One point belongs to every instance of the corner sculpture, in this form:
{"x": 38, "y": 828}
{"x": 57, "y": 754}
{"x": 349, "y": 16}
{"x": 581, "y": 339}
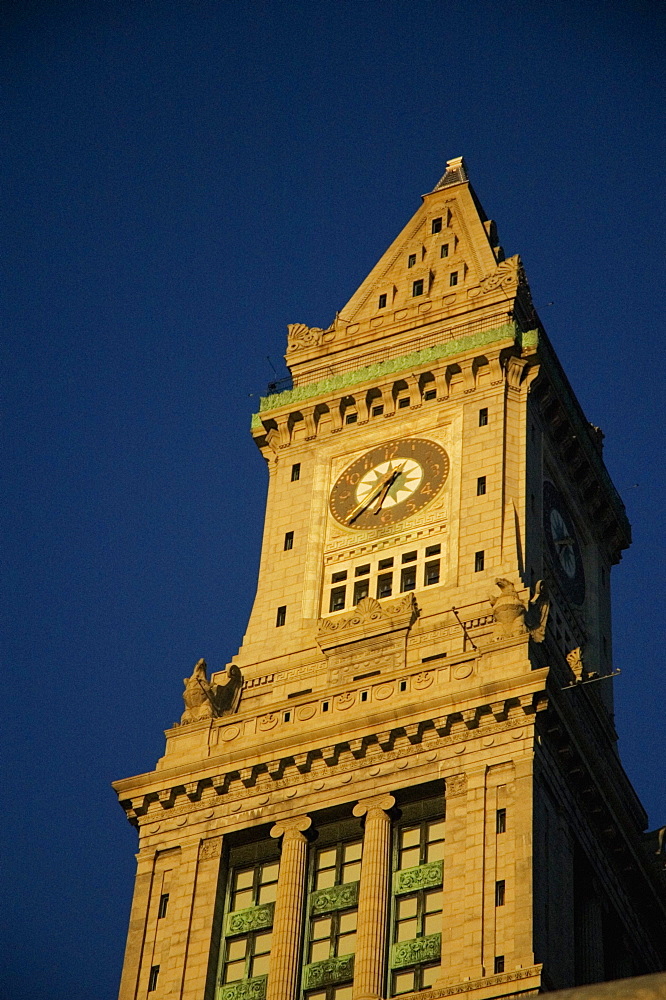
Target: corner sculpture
{"x": 204, "y": 700}
{"x": 513, "y": 617}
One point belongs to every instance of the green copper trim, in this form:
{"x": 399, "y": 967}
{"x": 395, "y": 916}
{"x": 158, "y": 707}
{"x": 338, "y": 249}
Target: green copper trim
{"x": 338, "y": 897}
{"x": 246, "y": 989}
{"x": 332, "y": 970}
{"x": 427, "y": 876}
{"x": 345, "y": 380}
{"x": 254, "y": 918}
{"x": 417, "y": 950}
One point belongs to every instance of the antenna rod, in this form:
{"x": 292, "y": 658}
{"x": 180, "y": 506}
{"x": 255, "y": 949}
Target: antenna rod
{"x": 466, "y": 633}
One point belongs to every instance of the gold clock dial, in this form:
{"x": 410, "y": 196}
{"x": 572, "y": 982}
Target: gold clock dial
{"x": 389, "y": 483}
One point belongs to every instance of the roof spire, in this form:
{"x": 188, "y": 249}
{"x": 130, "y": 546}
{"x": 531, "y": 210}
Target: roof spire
{"x": 456, "y": 173}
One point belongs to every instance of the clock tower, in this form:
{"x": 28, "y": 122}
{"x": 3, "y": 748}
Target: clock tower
{"x": 406, "y": 782}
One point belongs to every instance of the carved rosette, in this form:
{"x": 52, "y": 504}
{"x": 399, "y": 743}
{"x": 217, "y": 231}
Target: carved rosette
{"x": 338, "y": 897}
{"x": 428, "y": 876}
{"x": 332, "y": 970}
{"x": 423, "y": 949}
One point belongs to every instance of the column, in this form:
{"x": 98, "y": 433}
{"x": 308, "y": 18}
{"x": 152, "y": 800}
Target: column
{"x": 288, "y": 917}
{"x": 373, "y": 897}
{"x": 137, "y": 925}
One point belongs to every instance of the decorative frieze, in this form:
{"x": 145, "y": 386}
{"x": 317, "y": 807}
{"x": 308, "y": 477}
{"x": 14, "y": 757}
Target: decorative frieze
{"x": 424, "y": 949}
{"x": 253, "y": 918}
{"x": 332, "y": 970}
{"x": 337, "y": 897}
{"x": 428, "y": 876}
{"x": 247, "y": 989}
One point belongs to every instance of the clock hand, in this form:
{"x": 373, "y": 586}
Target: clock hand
{"x": 371, "y": 497}
{"x": 384, "y": 494}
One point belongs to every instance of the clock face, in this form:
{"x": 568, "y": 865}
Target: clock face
{"x": 388, "y": 483}
{"x": 563, "y": 544}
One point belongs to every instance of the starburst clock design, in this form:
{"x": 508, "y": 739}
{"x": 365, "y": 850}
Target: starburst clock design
{"x": 389, "y": 483}
{"x": 563, "y": 545}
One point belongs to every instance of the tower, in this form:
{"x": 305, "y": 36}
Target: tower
{"x": 406, "y": 781}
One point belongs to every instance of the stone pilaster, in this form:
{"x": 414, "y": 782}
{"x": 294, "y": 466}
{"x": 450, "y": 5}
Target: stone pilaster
{"x": 288, "y": 919}
{"x": 137, "y": 925}
{"x": 373, "y": 897}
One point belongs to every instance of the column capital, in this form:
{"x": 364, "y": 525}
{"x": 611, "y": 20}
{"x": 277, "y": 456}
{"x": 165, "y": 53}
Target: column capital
{"x": 376, "y": 803}
{"x": 291, "y": 829}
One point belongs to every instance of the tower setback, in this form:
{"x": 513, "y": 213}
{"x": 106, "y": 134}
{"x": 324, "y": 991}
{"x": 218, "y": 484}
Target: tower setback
{"x": 406, "y": 782}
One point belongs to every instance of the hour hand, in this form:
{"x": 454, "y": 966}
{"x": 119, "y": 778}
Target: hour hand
{"x": 371, "y": 497}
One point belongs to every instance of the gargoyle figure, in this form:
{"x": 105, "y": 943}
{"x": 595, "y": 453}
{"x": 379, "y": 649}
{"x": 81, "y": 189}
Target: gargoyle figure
{"x": 204, "y": 700}
{"x": 513, "y": 617}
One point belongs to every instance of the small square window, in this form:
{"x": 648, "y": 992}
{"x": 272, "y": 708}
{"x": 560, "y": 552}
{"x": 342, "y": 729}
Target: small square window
{"x": 362, "y": 570}
{"x": 296, "y": 472}
{"x": 433, "y": 550}
{"x": 481, "y": 486}
{"x": 377, "y": 410}
{"x": 403, "y": 402}
{"x": 500, "y": 893}
{"x": 337, "y": 601}
{"x": 500, "y": 821}
{"x": 453, "y": 278}
{"x": 382, "y": 301}
{"x": 351, "y": 418}
{"x": 499, "y": 964}
{"x": 288, "y": 541}
{"x": 431, "y": 575}
{"x": 436, "y": 225}
{"x": 479, "y": 561}
{"x": 411, "y": 260}
{"x": 361, "y": 590}
{"x": 417, "y": 288}
{"x": 444, "y": 250}
{"x": 408, "y": 579}
{"x": 430, "y": 394}
{"x": 384, "y": 585}
{"x": 281, "y": 616}
{"x": 364, "y": 695}
{"x": 409, "y": 556}
{"x": 483, "y": 417}
{"x": 339, "y": 576}
{"x": 153, "y": 977}
{"x": 385, "y": 563}
{"x": 286, "y": 717}
{"x": 403, "y": 685}
{"x": 325, "y": 706}
{"x": 164, "y": 905}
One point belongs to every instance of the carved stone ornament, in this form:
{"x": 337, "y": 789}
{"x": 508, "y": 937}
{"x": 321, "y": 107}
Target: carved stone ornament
{"x": 248, "y": 989}
{"x": 210, "y": 849}
{"x": 428, "y": 876}
{"x": 204, "y": 700}
{"x": 369, "y": 617}
{"x": 506, "y": 276}
{"x": 423, "y": 949}
{"x": 456, "y": 784}
{"x": 578, "y": 668}
{"x": 513, "y": 617}
{"x": 253, "y": 918}
{"x": 338, "y": 897}
{"x": 300, "y": 336}
{"x": 332, "y": 970}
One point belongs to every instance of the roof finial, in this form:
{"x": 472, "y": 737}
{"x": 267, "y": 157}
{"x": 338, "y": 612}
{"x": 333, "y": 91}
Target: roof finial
{"x": 456, "y": 173}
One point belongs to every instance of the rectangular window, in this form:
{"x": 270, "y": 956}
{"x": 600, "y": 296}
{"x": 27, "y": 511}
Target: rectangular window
{"x": 164, "y": 906}
{"x": 252, "y": 883}
{"x": 361, "y": 590}
{"x": 296, "y": 472}
{"x": 362, "y": 570}
{"x": 403, "y": 402}
{"x": 417, "y": 288}
{"x": 408, "y": 579}
{"x": 433, "y": 550}
{"x": 382, "y": 301}
{"x": 453, "y": 278}
{"x": 281, "y": 616}
{"x": 377, "y": 410}
{"x": 339, "y": 576}
{"x": 153, "y": 977}
{"x": 411, "y": 260}
{"x": 385, "y": 563}
{"x": 288, "y": 540}
{"x": 436, "y": 225}
{"x": 483, "y": 416}
{"x": 500, "y": 892}
{"x": 499, "y": 964}
{"x": 500, "y": 821}
{"x": 337, "y": 601}
{"x": 351, "y": 418}
{"x": 364, "y": 695}
{"x": 384, "y": 585}
{"x": 479, "y": 561}
{"x": 481, "y": 486}
{"x": 408, "y": 557}
{"x": 444, "y": 250}
{"x": 430, "y": 394}
{"x": 431, "y": 575}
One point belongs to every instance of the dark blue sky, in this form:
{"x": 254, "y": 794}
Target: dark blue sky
{"x": 181, "y": 181}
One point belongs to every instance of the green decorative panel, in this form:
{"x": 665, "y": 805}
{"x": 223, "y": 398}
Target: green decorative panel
{"x": 338, "y": 897}
{"x": 333, "y": 970}
{"x": 423, "y": 949}
{"x": 254, "y": 918}
{"x": 422, "y": 877}
{"x": 247, "y": 989}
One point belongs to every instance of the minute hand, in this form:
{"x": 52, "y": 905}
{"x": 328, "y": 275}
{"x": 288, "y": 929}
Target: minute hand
{"x": 385, "y": 491}
{"x": 385, "y": 484}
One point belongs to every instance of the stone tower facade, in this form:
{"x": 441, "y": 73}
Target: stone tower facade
{"x": 406, "y": 781}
